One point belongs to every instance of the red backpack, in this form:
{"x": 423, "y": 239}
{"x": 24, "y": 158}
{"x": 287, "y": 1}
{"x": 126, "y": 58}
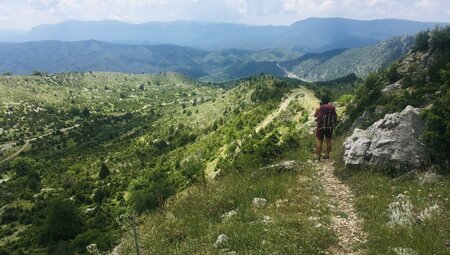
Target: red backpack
{"x": 326, "y": 119}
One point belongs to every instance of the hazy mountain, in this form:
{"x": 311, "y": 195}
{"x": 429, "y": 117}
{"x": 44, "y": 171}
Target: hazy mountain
{"x": 84, "y": 56}
{"x": 313, "y": 33}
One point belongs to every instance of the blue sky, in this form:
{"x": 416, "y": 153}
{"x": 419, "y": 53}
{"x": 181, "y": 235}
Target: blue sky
{"x": 24, "y": 14}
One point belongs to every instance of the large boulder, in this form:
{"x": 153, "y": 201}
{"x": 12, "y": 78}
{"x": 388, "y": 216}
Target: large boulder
{"x": 392, "y": 141}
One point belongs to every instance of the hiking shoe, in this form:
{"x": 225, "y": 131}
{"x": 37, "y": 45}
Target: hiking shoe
{"x": 326, "y": 157}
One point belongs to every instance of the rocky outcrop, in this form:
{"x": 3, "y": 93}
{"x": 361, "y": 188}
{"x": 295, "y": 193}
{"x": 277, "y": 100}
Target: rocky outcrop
{"x": 392, "y": 141}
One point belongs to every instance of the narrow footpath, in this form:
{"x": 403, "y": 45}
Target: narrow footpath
{"x": 345, "y": 222}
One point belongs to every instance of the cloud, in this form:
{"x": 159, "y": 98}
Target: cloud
{"x": 27, "y": 13}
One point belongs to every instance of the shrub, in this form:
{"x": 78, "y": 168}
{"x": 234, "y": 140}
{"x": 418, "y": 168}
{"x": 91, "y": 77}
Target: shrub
{"x": 24, "y": 166}
{"x": 421, "y": 41}
{"x": 104, "y": 171}
{"x": 437, "y": 129}
{"x": 63, "y": 221}
{"x": 149, "y": 193}
{"x": 192, "y": 168}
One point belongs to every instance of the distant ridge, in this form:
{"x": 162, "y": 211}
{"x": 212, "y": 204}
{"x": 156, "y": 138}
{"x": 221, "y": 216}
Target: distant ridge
{"x": 218, "y": 66}
{"x": 314, "y": 33}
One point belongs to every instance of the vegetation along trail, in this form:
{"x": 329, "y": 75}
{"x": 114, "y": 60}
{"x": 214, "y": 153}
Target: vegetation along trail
{"x": 308, "y": 102}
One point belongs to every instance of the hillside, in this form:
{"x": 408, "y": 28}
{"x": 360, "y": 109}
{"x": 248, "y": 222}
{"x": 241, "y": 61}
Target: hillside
{"x": 280, "y": 201}
{"x": 95, "y": 143}
{"x": 312, "y": 33}
{"x": 105, "y": 162}
{"x": 215, "y": 66}
{"x": 340, "y": 62}
{"x": 84, "y": 56}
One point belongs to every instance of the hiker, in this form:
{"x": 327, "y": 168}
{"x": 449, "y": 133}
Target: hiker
{"x": 326, "y": 119}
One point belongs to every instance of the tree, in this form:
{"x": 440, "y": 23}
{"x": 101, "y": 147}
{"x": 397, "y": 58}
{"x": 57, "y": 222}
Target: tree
{"x": 104, "y": 171}
{"x": 63, "y": 221}
{"x": 85, "y": 113}
{"x": 192, "y": 168}
{"x": 24, "y": 166}
{"x": 151, "y": 192}
{"x": 421, "y": 41}
{"x": 437, "y": 129}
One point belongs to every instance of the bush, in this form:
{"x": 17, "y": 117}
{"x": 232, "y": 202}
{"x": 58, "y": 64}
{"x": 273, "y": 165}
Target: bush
{"x": 192, "y": 168}
{"x": 150, "y": 193}
{"x": 63, "y": 221}
{"x": 24, "y": 166}
{"x": 440, "y": 39}
{"x": 437, "y": 130}
{"x": 104, "y": 171}
{"x": 103, "y": 240}
{"x": 421, "y": 41}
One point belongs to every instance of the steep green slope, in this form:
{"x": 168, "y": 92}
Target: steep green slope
{"x": 102, "y": 144}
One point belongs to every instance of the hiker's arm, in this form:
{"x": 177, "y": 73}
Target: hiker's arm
{"x": 317, "y": 112}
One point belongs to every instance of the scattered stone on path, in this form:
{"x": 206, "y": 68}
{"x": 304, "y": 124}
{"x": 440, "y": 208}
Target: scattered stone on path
{"x": 226, "y": 216}
{"x": 281, "y": 202}
{"x": 401, "y": 211}
{"x": 221, "y": 241}
{"x": 404, "y": 251}
{"x": 267, "y": 219}
{"x": 258, "y": 202}
{"x": 429, "y": 177}
{"x": 282, "y": 166}
{"x": 429, "y": 213}
{"x": 349, "y": 229}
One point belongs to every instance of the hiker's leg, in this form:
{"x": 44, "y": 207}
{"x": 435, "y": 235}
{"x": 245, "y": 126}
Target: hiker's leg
{"x": 319, "y": 148}
{"x": 328, "y": 147}
{"x": 319, "y": 142}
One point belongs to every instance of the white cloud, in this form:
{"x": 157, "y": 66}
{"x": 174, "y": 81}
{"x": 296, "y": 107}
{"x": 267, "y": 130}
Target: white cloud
{"x": 28, "y": 13}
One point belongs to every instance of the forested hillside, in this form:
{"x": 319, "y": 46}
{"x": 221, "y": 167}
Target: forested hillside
{"x": 95, "y": 146}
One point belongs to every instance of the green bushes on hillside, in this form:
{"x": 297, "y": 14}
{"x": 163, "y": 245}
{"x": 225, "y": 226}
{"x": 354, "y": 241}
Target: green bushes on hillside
{"x": 148, "y": 193}
{"x": 437, "y": 125}
{"x": 63, "y": 221}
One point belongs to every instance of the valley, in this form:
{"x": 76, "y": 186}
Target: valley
{"x": 177, "y": 150}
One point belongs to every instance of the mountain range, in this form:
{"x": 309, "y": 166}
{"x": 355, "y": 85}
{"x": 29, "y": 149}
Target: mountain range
{"x": 217, "y": 66}
{"x": 312, "y": 34}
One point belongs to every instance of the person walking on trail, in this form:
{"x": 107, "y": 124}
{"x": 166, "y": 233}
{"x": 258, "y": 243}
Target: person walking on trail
{"x": 326, "y": 119}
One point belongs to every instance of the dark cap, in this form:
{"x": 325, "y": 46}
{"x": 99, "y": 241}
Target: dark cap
{"x": 325, "y": 99}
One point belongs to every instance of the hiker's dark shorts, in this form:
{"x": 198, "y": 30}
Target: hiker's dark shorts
{"x": 324, "y": 132}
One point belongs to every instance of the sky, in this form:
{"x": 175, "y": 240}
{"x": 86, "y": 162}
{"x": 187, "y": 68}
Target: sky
{"x": 25, "y": 14}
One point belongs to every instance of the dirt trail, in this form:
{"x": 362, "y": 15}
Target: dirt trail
{"x": 345, "y": 222}
{"x": 308, "y": 100}
{"x": 27, "y": 142}
{"x": 15, "y": 154}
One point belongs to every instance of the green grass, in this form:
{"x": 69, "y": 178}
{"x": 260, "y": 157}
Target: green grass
{"x": 192, "y": 224}
{"x": 375, "y": 190}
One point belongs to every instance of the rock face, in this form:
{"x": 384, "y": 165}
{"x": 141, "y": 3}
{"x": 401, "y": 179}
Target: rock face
{"x": 392, "y": 141}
